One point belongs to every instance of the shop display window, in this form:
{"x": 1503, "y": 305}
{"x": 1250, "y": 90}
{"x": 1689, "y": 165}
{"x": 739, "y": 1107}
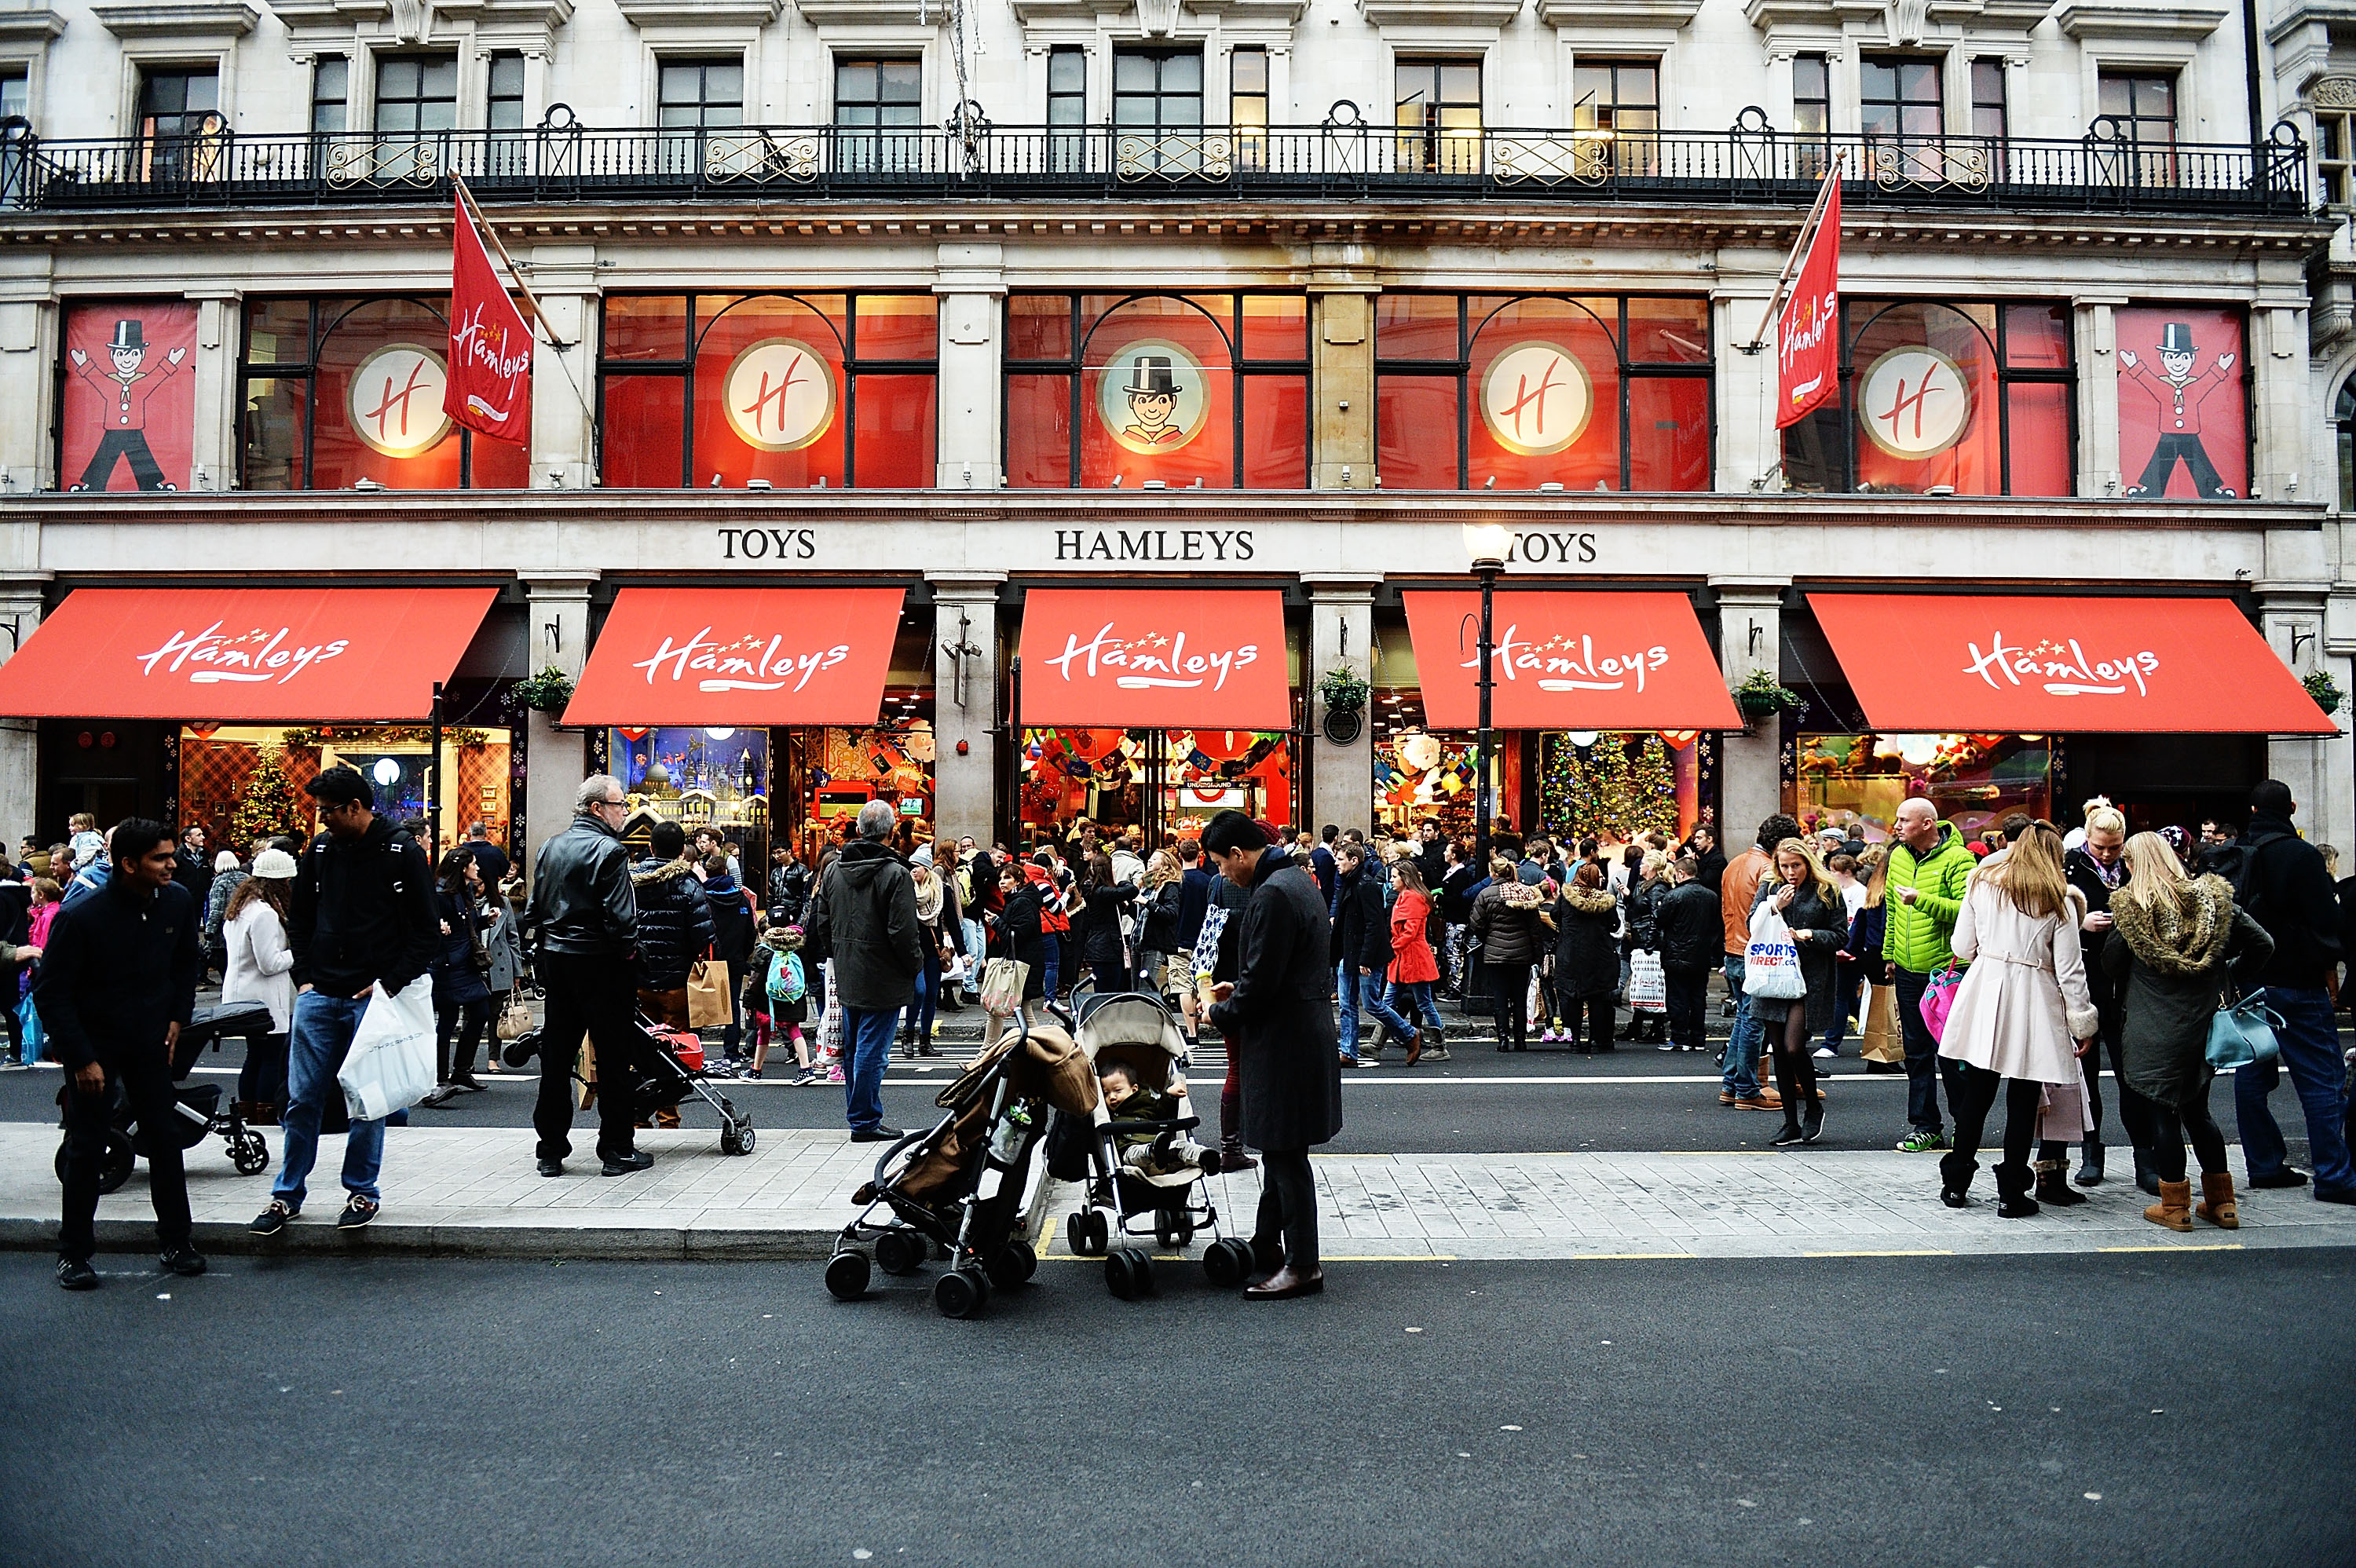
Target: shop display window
{"x": 126, "y": 400}
{"x": 1170, "y": 783}
{"x": 794, "y": 392}
{"x": 338, "y": 392}
{"x": 244, "y": 782}
{"x": 1977, "y": 398}
{"x": 1605, "y": 392}
{"x": 1974, "y": 780}
{"x": 1196, "y": 391}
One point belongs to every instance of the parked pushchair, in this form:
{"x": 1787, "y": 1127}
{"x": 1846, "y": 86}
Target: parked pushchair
{"x": 955, "y": 1189}
{"x": 202, "y": 1112}
{"x": 1146, "y": 1171}
{"x": 670, "y": 1069}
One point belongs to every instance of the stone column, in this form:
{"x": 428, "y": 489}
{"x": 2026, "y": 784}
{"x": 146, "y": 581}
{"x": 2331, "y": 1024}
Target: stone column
{"x": 1748, "y": 445}
{"x": 28, "y": 352}
{"x": 2278, "y": 345}
{"x": 1342, "y": 332}
{"x": 557, "y": 633}
{"x": 565, "y": 281}
{"x": 1341, "y": 636}
{"x": 2317, "y": 767}
{"x": 971, "y": 287}
{"x": 964, "y": 709}
{"x": 1750, "y": 637}
{"x": 212, "y": 452}
{"x": 20, "y": 772}
{"x": 2098, "y": 396}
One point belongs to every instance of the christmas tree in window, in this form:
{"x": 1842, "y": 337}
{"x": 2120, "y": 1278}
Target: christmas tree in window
{"x": 269, "y": 807}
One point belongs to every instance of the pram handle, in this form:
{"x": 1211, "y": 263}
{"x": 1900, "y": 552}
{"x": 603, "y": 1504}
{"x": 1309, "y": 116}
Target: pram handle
{"x": 1183, "y": 1124}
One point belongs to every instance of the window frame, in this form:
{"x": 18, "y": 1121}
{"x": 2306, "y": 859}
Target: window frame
{"x": 423, "y": 59}
{"x": 1999, "y": 107}
{"x": 341, "y": 102}
{"x": 2335, "y": 155}
{"x": 1629, "y": 370}
{"x": 1251, "y": 136}
{"x": 1430, "y": 137}
{"x": 493, "y": 97}
{"x": 1161, "y": 56}
{"x": 703, "y": 104}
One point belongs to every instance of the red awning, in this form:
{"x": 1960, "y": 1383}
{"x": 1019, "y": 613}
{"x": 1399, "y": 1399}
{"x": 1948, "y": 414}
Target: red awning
{"x": 740, "y": 656}
{"x": 1568, "y": 661}
{"x": 1161, "y": 658}
{"x": 270, "y": 654}
{"x": 1938, "y": 662}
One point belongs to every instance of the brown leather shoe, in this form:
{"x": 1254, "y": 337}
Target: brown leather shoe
{"x": 1757, "y": 1103}
{"x": 1284, "y": 1284}
{"x": 1414, "y": 1047}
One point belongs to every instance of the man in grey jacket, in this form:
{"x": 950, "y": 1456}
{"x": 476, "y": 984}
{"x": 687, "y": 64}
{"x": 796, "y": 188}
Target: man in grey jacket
{"x": 587, "y": 916}
{"x": 864, "y": 912}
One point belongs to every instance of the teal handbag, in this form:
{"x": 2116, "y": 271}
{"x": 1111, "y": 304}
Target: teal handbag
{"x": 2242, "y": 1034}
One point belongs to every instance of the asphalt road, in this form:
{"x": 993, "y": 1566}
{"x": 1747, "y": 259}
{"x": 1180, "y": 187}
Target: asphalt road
{"x": 2017, "y": 1411}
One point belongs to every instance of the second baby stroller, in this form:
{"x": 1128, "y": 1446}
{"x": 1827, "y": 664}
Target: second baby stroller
{"x": 202, "y": 1112}
{"x": 1144, "y": 1163}
{"x": 669, "y": 1071}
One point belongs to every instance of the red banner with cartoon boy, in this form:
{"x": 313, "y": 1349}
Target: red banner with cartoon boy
{"x": 2184, "y": 419}
{"x": 130, "y": 396}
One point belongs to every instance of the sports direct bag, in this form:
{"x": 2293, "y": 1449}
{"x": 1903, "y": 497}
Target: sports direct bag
{"x": 1648, "y": 984}
{"x": 1939, "y": 1000}
{"x": 1770, "y": 964}
{"x": 391, "y": 1064}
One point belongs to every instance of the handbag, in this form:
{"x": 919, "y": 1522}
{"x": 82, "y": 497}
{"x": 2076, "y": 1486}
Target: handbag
{"x": 29, "y": 1018}
{"x": 515, "y": 1023}
{"x": 1648, "y": 982}
{"x": 1883, "y": 1040}
{"x": 1939, "y": 1000}
{"x": 2242, "y": 1034}
{"x": 1771, "y": 964}
{"x": 1002, "y": 980}
{"x": 391, "y": 1064}
{"x": 707, "y": 993}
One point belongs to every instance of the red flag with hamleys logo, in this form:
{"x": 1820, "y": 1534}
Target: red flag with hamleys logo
{"x": 1807, "y": 335}
{"x": 490, "y": 385}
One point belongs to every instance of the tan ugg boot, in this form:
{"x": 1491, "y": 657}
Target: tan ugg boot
{"x": 2216, "y": 1204}
{"x": 2174, "y": 1208}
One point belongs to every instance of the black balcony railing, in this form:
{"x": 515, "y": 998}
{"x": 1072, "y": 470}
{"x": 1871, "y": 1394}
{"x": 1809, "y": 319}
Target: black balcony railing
{"x": 1344, "y": 159}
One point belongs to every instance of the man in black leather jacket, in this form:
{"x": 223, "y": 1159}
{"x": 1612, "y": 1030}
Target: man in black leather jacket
{"x": 587, "y": 915}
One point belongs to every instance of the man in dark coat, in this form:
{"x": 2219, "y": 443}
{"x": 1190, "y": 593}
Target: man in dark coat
{"x": 1279, "y": 1012}
{"x": 865, "y": 910}
{"x": 1690, "y": 928}
{"x": 192, "y": 868}
{"x": 585, "y": 912}
{"x": 674, "y": 929}
{"x": 118, "y": 982}
{"x": 2285, "y": 888}
{"x": 1361, "y": 951}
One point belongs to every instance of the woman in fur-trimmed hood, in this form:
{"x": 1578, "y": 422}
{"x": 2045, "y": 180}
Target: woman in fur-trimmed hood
{"x": 1585, "y": 921}
{"x": 2178, "y": 940}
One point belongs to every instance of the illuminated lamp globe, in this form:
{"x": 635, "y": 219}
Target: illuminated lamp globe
{"x": 387, "y": 772}
{"x": 1486, "y": 545}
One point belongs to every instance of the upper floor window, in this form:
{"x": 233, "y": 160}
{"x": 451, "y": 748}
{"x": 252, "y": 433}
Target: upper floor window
{"x": 177, "y": 100}
{"x": 503, "y": 105}
{"x": 2335, "y": 156}
{"x": 876, "y": 103}
{"x": 1980, "y": 398}
{"x": 1067, "y": 107}
{"x": 2144, "y": 104}
{"x": 791, "y": 391}
{"x": 1439, "y": 115}
{"x": 1901, "y": 111}
{"x": 1247, "y": 104}
{"x": 2343, "y": 426}
{"x": 16, "y": 93}
{"x": 700, "y": 93}
{"x": 416, "y": 94}
{"x": 1207, "y": 391}
{"x": 1493, "y": 391}
{"x": 334, "y": 391}
{"x": 1987, "y": 99}
{"x": 1812, "y": 96}
{"x": 1619, "y": 102}
{"x": 1159, "y": 91}
{"x": 331, "y": 95}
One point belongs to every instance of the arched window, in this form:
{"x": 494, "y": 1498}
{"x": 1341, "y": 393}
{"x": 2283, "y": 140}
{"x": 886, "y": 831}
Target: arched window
{"x": 2343, "y": 431}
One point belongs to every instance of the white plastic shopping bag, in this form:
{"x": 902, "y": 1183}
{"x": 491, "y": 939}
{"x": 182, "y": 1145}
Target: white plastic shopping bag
{"x": 391, "y": 1064}
{"x": 1770, "y": 964}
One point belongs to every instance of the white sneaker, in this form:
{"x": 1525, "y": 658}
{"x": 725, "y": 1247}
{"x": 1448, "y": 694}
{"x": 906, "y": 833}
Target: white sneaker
{"x": 1823, "y": 1051}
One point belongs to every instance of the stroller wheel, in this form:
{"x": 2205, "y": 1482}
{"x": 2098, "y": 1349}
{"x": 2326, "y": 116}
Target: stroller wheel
{"x": 1227, "y": 1263}
{"x": 899, "y": 1252}
{"x": 1171, "y": 1228}
{"x": 1128, "y": 1273}
{"x": 1079, "y": 1231}
{"x": 962, "y": 1293}
{"x": 1013, "y": 1265}
{"x": 249, "y": 1153}
{"x": 846, "y": 1276}
{"x": 113, "y": 1168}
{"x": 737, "y": 1136}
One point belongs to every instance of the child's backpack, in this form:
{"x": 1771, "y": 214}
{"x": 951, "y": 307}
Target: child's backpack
{"x": 785, "y": 983}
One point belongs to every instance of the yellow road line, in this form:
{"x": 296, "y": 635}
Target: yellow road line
{"x": 1910, "y": 1253}
{"x": 2182, "y": 1247}
{"x": 1618, "y": 1257}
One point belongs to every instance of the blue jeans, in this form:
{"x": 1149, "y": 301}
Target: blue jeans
{"x": 1357, "y": 991}
{"x": 1407, "y": 997}
{"x": 1846, "y": 982}
{"x": 323, "y": 1027}
{"x": 867, "y": 1041}
{"x": 2311, "y": 1049}
{"x": 1050, "y": 951}
{"x": 926, "y": 1008}
{"x": 1741, "y": 1074}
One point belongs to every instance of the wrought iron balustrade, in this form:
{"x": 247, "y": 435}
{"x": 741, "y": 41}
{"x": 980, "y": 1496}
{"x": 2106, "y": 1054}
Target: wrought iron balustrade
{"x": 1344, "y": 158}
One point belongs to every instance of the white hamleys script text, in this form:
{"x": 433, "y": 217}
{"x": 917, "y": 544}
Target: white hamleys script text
{"x": 1152, "y": 659}
{"x": 1565, "y": 662}
{"x": 745, "y": 665}
{"x": 259, "y": 656}
{"x": 2062, "y": 667}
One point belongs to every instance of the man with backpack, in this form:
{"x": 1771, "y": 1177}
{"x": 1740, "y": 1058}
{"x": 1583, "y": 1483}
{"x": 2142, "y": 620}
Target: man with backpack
{"x": 2280, "y": 882}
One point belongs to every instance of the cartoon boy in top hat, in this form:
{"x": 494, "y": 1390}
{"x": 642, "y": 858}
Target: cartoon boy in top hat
{"x": 2179, "y": 390}
{"x": 126, "y": 389}
{"x": 1153, "y": 403}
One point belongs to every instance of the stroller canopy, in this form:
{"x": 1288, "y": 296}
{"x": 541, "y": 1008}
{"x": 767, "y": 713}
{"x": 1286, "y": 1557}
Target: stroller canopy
{"x": 1132, "y": 1019}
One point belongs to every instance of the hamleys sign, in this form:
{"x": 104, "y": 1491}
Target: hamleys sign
{"x": 2062, "y": 667}
{"x": 740, "y": 656}
{"x": 1169, "y": 657}
{"x": 258, "y": 654}
{"x": 1570, "y": 659}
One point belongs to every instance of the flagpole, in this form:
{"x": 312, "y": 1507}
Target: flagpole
{"x": 1799, "y": 249}
{"x": 539, "y": 317}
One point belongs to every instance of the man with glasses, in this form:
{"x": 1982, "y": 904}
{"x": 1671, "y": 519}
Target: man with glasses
{"x": 587, "y": 915}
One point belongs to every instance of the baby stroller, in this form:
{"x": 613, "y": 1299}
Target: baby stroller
{"x": 201, "y": 1109}
{"x": 955, "y": 1187}
{"x": 1146, "y": 1171}
{"x": 669, "y": 1068}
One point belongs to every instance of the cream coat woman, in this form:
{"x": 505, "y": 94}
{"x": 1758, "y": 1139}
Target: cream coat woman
{"x": 2023, "y": 1005}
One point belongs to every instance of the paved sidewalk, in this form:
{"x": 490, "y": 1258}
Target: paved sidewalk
{"x": 474, "y": 1191}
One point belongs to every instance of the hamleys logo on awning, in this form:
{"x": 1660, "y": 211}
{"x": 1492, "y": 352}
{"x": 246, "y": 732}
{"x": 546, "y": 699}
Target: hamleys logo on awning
{"x": 1565, "y": 662}
{"x": 2060, "y": 668}
{"x": 750, "y": 663}
{"x": 1151, "y": 659}
{"x": 260, "y": 656}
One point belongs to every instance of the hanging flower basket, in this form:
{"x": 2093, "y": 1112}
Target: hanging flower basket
{"x": 1762, "y": 696}
{"x": 546, "y": 692}
{"x": 1342, "y": 690}
{"x": 2324, "y": 690}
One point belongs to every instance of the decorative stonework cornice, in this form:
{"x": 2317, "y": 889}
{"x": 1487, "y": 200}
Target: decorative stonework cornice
{"x": 700, "y": 12}
{"x": 1602, "y": 13}
{"x": 178, "y": 18}
{"x": 2128, "y": 22}
{"x": 21, "y": 24}
{"x": 1439, "y": 12}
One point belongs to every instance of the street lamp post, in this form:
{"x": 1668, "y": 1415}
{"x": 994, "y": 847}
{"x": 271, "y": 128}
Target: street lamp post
{"x": 1486, "y": 543}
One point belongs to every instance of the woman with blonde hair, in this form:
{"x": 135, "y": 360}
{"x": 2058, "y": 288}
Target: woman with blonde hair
{"x": 2022, "y": 1015}
{"x": 2175, "y": 945}
{"x": 1810, "y": 903}
{"x": 1156, "y": 915}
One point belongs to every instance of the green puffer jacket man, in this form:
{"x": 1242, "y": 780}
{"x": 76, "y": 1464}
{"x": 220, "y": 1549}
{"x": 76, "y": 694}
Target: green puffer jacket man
{"x": 1915, "y": 936}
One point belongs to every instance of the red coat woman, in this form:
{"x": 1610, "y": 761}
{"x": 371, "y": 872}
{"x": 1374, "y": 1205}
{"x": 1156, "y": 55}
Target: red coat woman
{"x": 1412, "y": 961}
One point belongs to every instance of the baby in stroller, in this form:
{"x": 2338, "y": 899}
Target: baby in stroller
{"x": 1126, "y": 1098}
